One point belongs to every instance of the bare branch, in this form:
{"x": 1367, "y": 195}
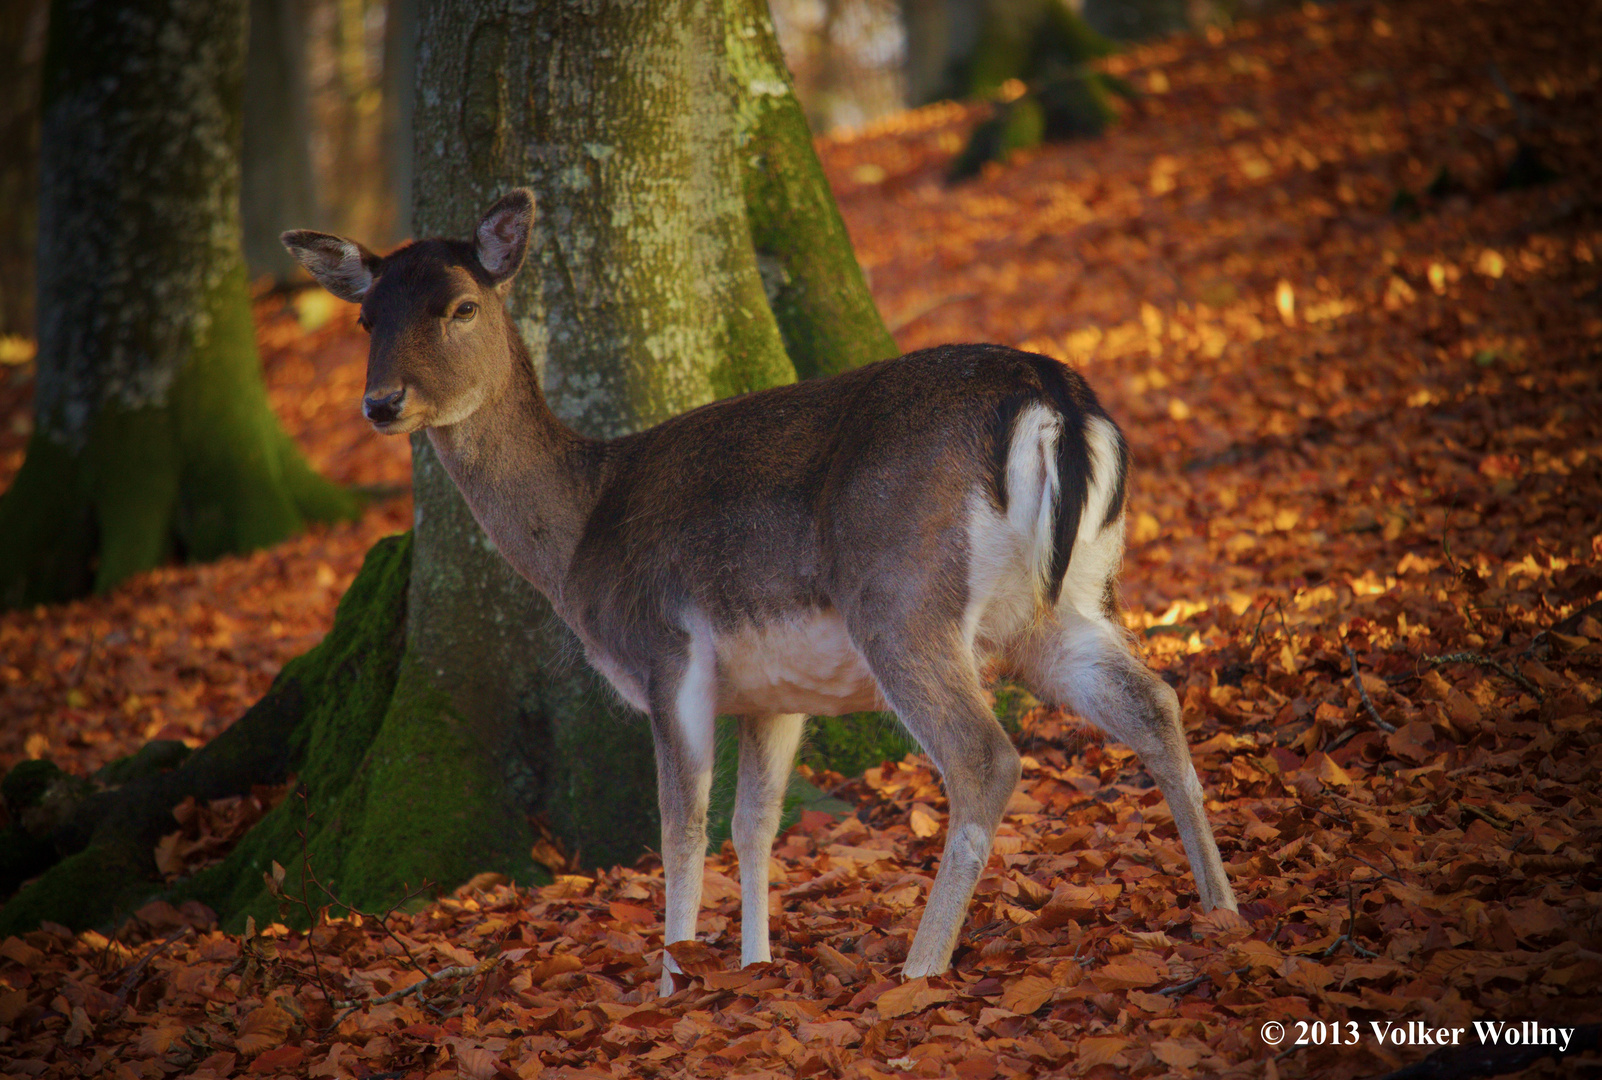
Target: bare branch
{"x": 1361, "y": 689}
{"x": 1480, "y": 660}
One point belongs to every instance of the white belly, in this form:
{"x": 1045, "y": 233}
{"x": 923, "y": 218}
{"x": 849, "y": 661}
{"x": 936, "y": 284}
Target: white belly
{"x": 806, "y": 665}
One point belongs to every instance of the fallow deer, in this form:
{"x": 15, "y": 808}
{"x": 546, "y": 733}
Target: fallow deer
{"x": 865, "y": 541}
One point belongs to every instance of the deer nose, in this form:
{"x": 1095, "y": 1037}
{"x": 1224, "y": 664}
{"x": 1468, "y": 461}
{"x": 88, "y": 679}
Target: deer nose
{"x": 382, "y": 408}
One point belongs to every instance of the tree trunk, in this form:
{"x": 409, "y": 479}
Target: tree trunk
{"x": 399, "y": 103}
{"x": 22, "y": 39}
{"x": 674, "y": 177}
{"x": 153, "y": 436}
{"x": 276, "y": 189}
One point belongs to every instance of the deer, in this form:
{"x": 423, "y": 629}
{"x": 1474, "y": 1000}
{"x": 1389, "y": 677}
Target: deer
{"x": 866, "y": 541}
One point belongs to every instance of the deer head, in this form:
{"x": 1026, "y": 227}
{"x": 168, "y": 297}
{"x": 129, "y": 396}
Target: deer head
{"x": 434, "y": 309}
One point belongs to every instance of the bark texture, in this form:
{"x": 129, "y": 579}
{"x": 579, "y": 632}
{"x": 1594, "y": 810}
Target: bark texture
{"x": 153, "y": 436}
{"x": 641, "y": 298}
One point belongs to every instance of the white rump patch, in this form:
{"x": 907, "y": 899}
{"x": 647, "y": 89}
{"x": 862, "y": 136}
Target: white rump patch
{"x": 1009, "y": 557}
{"x": 1103, "y": 447}
{"x": 1098, "y": 549}
{"x": 1033, "y": 484}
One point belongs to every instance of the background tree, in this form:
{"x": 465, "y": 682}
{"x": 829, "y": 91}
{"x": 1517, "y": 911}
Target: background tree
{"x": 1031, "y": 56}
{"x": 276, "y": 190}
{"x": 153, "y": 435}
{"x": 22, "y": 40}
{"x": 687, "y": 247}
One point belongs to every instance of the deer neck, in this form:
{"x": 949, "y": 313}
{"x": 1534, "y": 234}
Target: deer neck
{"x": 530, "y": 481}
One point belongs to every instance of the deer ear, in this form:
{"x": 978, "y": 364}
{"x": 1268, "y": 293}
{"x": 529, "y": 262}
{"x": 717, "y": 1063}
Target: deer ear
{"x": 341, "y": 266}
{"x": 501, "y": 241}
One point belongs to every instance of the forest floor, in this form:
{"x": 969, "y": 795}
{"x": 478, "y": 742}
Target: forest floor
{"x": 1360, "y": 368}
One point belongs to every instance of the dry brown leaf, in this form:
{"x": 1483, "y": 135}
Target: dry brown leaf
{"x": 912, "y": 996}
{"x": 922, "y": 821}
{"x": 1102, "y": 1050}
{"x": 263, "y": 1028}
{"x": 1027, "y": 994}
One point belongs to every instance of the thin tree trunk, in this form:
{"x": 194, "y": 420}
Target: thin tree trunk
{"x": 400, "y": 99}
{"x": 276, "y": 189}
{"x": 22, "y": 40}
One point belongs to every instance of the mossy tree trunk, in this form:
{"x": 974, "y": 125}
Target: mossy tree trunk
{"x": 153, "y": 435}
{"x": 686, "y": 247}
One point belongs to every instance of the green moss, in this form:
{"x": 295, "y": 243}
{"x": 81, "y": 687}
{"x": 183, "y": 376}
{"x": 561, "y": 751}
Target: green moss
{"x": 398, "y": 788}
{"x": 46, "y": 529}
{"x": 242, "y": 484}
{"x": 425, "y": 803}
{"x": 601, "y": 796}
{"x": 1025, "y": 39}
{"x": 89, "y": 888}
{"x": 27, "y": 782}
{"x": 321, "y": 718}
{"x": 155, "y": 756}
{"x": 851, "y": 744}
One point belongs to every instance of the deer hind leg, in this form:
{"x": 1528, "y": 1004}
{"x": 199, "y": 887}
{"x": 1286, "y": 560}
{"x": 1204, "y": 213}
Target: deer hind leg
{"x": 1085, "y": 664}
{"x": 767, "y": 752}
{"x": 683, "y": 705}
{"x": 938, "y": 697}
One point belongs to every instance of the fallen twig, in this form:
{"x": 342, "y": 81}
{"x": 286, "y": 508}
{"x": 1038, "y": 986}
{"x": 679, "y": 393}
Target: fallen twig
{"x": 1377, "y": 870}
{"x": 1274, "y": 603}
{"x": 1494, "y": 822}
{"x": 456, "y": 971}
{"x": 1486, "y": 662}
{"x": 1181, "y": 989}
{"x": 132, "y": 978}
{"x": 1361, "y": 689}
{"x": 1351, "y": 928}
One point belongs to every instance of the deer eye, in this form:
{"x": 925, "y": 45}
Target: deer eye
{"x": 361, "y": 321}
{"x": 466, "y": 310}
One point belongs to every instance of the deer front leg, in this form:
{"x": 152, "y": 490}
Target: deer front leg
{"x": 682, "y": 726}
{"x": 767, "y": 752}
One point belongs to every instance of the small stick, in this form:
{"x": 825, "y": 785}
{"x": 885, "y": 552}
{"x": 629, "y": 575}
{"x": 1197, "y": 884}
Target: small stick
{"x": 1259, "y": 627}
{"x": 1361, "y": 689}
{"x": 455, "y": 972}
{"x": 1496, "y": 822}
{"x": 1180, "y": 989}
{"x": 1351, "y": 927}
{"x": 133, "y": 975}
{"x": 1377, "y": 870}
{"x": 1486, "y": 662}
{"x": 1341, "y": 740}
